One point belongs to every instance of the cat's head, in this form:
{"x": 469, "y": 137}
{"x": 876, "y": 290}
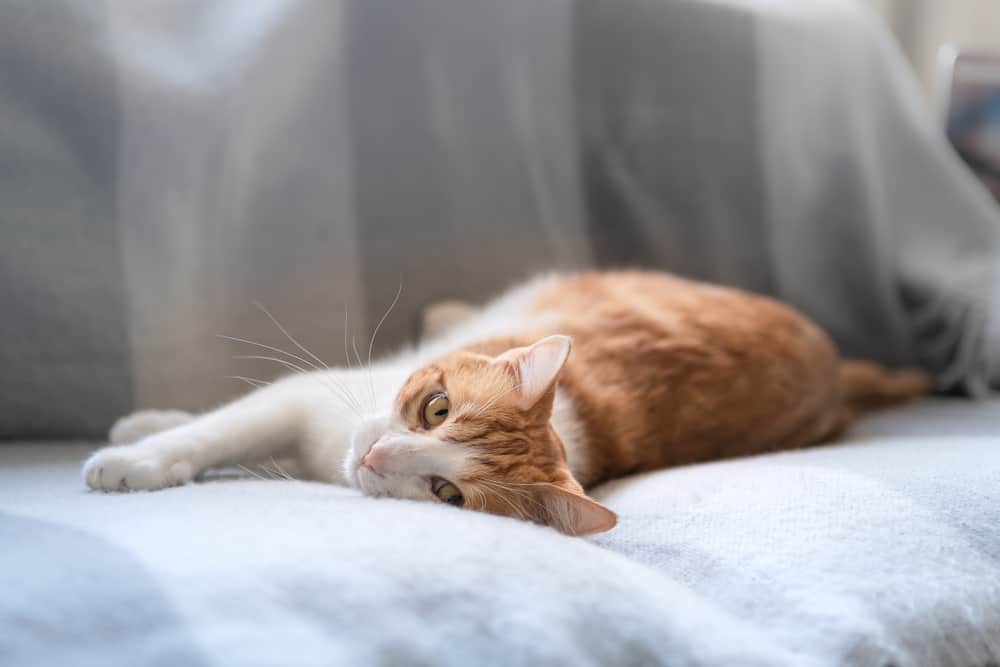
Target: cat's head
{"x": 473, "y": 430}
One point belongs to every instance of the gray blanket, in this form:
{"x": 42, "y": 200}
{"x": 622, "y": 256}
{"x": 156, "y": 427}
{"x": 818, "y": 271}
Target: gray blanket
{"x": 879, "y": 551}
{"x": 165, "y": 165}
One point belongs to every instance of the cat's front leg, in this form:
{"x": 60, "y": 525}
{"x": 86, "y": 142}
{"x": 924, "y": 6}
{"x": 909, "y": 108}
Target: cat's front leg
{"x": 267, "y": 423}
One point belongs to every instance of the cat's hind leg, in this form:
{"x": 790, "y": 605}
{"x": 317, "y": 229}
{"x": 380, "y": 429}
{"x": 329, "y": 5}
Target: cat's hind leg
{"x": 139, "y": 424}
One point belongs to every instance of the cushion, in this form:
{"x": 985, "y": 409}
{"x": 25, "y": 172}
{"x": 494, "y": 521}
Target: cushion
{"x": 880, "y": 549}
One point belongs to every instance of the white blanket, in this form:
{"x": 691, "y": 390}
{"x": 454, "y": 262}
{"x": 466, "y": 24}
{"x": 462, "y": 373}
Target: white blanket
{"x": 885, "y": 549}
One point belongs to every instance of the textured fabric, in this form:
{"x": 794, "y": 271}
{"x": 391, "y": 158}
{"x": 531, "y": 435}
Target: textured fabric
{"x": 63, "y": 320}
{"x": 880, "y": 550}
{"x": 164, "y": 165}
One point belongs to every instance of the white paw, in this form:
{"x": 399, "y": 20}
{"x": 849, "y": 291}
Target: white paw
{"x": 138, "y": 425}
{"x": 135, "y": 468}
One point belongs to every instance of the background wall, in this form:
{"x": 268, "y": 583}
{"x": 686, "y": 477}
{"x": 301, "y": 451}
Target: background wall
{"x": 924, "y": 26}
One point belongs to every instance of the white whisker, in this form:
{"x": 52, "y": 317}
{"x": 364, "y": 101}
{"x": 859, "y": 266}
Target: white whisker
{"x": 273, "y": 475}
{"x": 253, "y": 382}
{"x": 288, "y": 335}
{"x": 496, "y": 397}
{"x": 347, "y": 394}
{"x": 500, "y": 492}
{"x": 354, "y": 344}
{"x": 287, "y": 364}
{"x": 344, "y": 391}
{"x": 346, "y": 353}
{"x": 270, "y": 347}
{"x": 371, "y": 343}
{"x": 502, "y": 488}
{"x": 281, "y": 471}
{"x": 251, "y": 472}
{"x": 337, "y": 390}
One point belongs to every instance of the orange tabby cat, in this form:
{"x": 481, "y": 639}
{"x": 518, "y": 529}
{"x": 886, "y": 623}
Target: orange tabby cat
{"x": 559, "y": 385}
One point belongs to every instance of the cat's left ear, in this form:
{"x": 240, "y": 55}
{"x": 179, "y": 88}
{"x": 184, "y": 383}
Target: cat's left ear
{"x": 536, "y": 367}
{"x": 567, "y": 509}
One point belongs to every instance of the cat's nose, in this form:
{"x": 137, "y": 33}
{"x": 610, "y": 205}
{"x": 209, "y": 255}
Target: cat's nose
{"x": 374, "y": 460}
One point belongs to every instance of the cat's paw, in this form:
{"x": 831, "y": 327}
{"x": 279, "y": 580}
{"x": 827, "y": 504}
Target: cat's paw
{"x": 138, "y": 425}
{"x": 135, "y": 468}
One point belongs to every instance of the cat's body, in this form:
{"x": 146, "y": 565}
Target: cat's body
{"x": 663, "y": 371}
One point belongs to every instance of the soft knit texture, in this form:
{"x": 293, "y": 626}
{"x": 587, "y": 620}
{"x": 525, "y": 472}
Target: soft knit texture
{"x": 883, "y": 549}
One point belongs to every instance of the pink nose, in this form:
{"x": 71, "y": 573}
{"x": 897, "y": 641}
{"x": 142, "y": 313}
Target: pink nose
{"x": 374, "y": 460}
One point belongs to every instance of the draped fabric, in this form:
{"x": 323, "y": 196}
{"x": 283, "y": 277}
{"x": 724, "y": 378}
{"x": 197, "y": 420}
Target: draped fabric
{"x": 166, "y": 165}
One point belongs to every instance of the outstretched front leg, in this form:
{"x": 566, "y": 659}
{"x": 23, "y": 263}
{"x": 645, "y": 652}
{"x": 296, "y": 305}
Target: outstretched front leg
{"x": 171, "y": 448}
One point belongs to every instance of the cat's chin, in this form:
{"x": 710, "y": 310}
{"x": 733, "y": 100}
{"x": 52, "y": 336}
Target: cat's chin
{"x": 362, "y": 438}
{"x": 368, "y": 482}
{"x": 401, "y": 487}
{"x": 352, "y": 470}
{"x": 361, "y": 478}
{"x": 378, "y": 486}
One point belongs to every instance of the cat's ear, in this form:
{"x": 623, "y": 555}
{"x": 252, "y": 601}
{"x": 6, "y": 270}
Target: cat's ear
{"x": 568, "y": 510}
{"x": 536, "y": 367}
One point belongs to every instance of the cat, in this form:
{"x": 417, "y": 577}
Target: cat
{"x": 560, "y": 384}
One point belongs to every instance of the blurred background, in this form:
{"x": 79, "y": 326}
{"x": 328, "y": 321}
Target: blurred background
{"x": 954, "y": 48}
{"x": 165, "y": 165}
{"x": 924, "y": 27}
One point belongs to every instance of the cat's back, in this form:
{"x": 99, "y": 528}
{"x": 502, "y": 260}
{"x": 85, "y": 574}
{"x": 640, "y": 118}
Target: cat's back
{"x": 634, "y": 304}
{"x": 669, "y": 370}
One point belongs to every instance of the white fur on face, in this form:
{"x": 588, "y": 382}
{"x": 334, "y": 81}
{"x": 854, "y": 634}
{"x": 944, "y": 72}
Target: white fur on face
{"x": 409, "y": 460}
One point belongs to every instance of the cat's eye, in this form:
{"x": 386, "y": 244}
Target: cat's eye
{"x": 435, "y": 410}
{"x": 446, "y": 491}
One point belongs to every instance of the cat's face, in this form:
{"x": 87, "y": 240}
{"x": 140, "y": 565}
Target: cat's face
{"x": 473, "y": 431}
